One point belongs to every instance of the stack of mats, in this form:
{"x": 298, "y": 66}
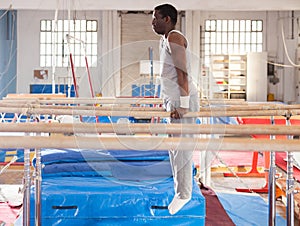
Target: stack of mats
{"x": 97, "y": 187}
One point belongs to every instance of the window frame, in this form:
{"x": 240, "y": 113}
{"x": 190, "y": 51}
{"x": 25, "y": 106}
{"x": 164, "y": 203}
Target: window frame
{"x": 231, "y": 36}
{"x": 58, "y": 39}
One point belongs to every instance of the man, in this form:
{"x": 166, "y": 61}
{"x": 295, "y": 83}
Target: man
{"x": 179, "y": 94}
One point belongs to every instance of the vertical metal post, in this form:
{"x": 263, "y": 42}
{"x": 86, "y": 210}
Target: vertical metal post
{"x": 38, "y": 180}
{"x": 272, "y": 188}
{"x": 289, "y": 183}
{"x": 151, "y": 65}
{"x": 27, "y": 184}
{"x": 26, "y": 198}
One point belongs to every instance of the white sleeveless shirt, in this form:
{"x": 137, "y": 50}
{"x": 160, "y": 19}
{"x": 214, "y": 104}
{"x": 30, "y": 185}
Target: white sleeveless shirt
{"x": 170, "y": 90}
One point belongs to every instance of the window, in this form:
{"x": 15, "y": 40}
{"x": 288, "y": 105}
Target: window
{"x": 58, "y": 40}
{"x": 232, "y": 37}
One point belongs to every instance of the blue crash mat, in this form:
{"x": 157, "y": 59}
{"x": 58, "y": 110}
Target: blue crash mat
{"x": 50, "y": 156}
{"x": 126, "y": 165}
{"x": 247, "y": 209}
{"x": 134, "y": 170}
{"x": 100, "y": 187}
{"x": 108, "y": 201}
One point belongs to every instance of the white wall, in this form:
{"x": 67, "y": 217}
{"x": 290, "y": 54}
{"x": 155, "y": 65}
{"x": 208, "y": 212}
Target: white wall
{"x": 285, "y": 90}
{"x": 106, "y": 75}
{"x": 28, "y": 51}
{"x": 281, "y": 35}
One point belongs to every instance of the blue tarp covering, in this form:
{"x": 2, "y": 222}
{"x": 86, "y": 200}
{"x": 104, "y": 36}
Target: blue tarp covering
{"x": 247, "y": 209}
{"x": 106, "y": 201}
{"x": 126, "y": 165}
{"x": 141, "y": 170}
{"x": 58, "y": 156}
{"x": 132, "y": 188}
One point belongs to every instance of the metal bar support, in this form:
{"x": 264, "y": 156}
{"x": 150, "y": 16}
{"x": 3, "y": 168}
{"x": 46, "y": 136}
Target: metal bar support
{"x": 38, "y": 180}
{"x": 271, "y": 184}
{"x": 289, "y": 182}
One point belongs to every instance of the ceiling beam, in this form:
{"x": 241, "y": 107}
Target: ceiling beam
{"x": 205, "y": 5}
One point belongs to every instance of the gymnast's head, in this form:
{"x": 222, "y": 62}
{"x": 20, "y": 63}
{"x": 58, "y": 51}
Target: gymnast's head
{"x": 164, "y": 18}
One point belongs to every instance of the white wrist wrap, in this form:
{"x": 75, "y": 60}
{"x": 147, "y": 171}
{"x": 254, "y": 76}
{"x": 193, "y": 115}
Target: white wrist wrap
{"x": 184, "y": 101}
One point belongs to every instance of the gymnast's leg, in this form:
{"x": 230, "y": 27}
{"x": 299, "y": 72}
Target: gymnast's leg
{"x": 181, "y": 163}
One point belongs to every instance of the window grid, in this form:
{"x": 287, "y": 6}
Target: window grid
{"x": 231, "y": 37}
{"x": 54, "y": 47}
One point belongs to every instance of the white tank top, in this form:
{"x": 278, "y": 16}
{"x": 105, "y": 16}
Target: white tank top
{"x": 169, "y": 86}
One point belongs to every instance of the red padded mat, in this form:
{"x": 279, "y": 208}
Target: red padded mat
{"x": 215, "y": 212}
{"x": 8, "y": 215}
{"x": 282, "y": 164}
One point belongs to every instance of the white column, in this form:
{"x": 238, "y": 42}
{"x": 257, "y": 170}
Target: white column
{"x": 110, "y": 57}
{"x": 257, "y": 76}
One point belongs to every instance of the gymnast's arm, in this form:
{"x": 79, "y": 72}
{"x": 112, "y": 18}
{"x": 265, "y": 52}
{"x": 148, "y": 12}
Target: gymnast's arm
{"x": 178, "y": 46}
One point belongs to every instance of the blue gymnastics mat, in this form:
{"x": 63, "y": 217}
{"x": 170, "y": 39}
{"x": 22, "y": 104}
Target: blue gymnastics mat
{"x": 100, "y": 187}
{"x": 103, "y": 201}
{"x": 247, "y": 209}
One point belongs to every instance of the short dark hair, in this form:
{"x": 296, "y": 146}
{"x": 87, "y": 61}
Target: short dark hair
{"x": 168, "y": 10}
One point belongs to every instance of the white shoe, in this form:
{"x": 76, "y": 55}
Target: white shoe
{"x": 177, "y": 204}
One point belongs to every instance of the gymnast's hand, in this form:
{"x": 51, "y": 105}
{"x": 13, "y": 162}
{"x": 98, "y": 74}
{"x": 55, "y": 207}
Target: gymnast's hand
{"x": 178, "y": 113}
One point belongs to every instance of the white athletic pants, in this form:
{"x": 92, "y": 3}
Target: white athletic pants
{"x": 182, "y": 161}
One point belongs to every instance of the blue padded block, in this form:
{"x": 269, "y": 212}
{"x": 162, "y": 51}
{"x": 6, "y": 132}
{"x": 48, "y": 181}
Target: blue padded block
{"x": 104, "y": 201}
{"x": 135, "y": 189}
{"x": 58, "y": 156}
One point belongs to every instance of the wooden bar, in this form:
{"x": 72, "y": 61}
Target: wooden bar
{"x": 150, "y": 128}
{"x": 225, "y": 101}
{"x": 44, "y": 96}
{"x": 81, "y": 107}
{"x": 228, "y": 105}
{"x": 149, "y": 143}
{"x": 102, "y": 100}
{"x": 252, "y": 107}
{"x": 35, "y": 97}
{"x": 116, "y": 105}
{"x": 51, "y": 111}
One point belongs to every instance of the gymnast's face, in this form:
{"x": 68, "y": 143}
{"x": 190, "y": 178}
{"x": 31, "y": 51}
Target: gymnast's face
{"x": 158, "y": 23}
